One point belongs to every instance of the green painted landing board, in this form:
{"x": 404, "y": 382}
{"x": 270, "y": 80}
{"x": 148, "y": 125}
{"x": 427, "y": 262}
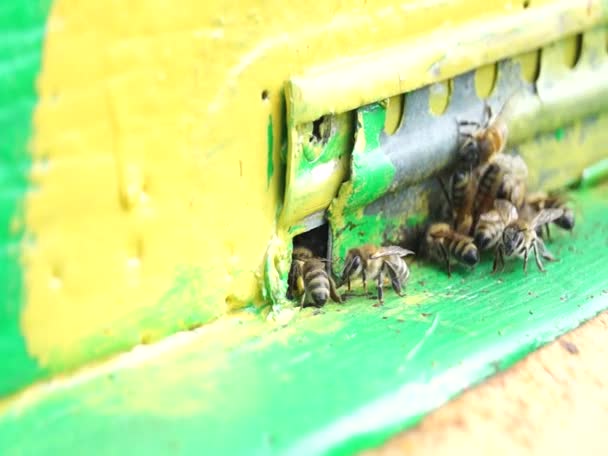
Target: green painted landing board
{"x": 329, "y": 382}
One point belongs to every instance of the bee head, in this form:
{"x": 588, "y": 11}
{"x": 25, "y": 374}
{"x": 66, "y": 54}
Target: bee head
{"x": 469, "y": 153}
{"x": 512, "y": 238}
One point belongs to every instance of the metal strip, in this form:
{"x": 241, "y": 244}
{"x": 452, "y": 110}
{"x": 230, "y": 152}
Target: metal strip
{"x": 436, "y": 57}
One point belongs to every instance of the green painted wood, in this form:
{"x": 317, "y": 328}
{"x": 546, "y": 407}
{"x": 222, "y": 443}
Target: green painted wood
{"x": 330, "y": 382}
{"x": 22, "y": 25}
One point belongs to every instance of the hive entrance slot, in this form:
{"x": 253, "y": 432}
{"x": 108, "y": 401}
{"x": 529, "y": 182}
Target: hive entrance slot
{"x": 316, "y": 240}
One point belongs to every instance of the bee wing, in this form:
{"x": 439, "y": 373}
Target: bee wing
{"x": 511, "y": 104}
{"x": 506, "y": 210}
{"x": 546, "y": 216}
{"x": 391, "y": 250}
{"x": 519, "y": 169}
{"x": 512, "y": 165}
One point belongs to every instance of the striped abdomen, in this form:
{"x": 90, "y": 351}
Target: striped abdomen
{"x": 488, "y": 231}
{"x": 486, "y": 192}
{"x": 463, "y": 250}
{"x": 316, "y": 281}
{"x": 463, "y": 197}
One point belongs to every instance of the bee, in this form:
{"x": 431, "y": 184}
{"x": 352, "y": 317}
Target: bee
{"x": 541, "y": 200}
{"x": 309, "y": 279}
{"x": 504, "y": 178}
{"x": 445, "y": 244}
{"x": 371, "y": 262}
{"x": 298, "y": 256}
{"x": 491, "y": 224}
{"x": 519, "y": 237}
{"x": 487, "y": 140}
{"x": 317, "y": 283}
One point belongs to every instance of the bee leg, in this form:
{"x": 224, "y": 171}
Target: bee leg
{"x": 446, "y": 258}
{"x": 468, "y": 123}
{"x": 302, "y": 300}
{"x": 495, "y": 264}
{"x": 333, "y": 292}
{"x": 348, "y": 284}
{"x": 488, "y": 114}
{"x": 498, "y": 258}
{"x": 397, "y": 286}
{"x": 364, "y": 280}
{"x": 543, "y": 251}
{"x": 548, "y": 232}
{"x": 539, "y": 263}
{"x": 526, "y": 252}
{"x": 380, "y": 279}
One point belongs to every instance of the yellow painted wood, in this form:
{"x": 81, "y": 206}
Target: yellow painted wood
{"x": 459, "y": 46}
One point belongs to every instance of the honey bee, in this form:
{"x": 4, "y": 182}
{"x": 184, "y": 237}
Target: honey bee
{"x": 504, "y": 178}
{"x": 445, "y": 244}
{"x": 318, "y": 285}
{"x": 519, "y": 237}
{"x": 309, "y": 279}
{"x": 487, "y": 140}
{"x": 491, "y": 224}
{"x": 371, "y": 262}
{"x": 541, "y": 200}
{"x": 298, "y": 256}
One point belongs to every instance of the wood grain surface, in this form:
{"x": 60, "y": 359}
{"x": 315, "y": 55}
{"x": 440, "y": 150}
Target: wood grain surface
{"x": 554, "y": 402}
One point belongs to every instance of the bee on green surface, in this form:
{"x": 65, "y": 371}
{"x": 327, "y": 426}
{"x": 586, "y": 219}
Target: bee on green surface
{"x": 491, "y": 224}
{"x": 444, "y": 244}
{"x": 519, "y": 237}
{"x": 371, "y": 262}
{"x": 309, "y": 280}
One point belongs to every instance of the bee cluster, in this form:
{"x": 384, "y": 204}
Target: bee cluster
{"x": 489, "y": 208}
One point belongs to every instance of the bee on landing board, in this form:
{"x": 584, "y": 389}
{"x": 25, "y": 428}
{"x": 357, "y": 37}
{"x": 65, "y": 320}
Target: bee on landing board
{"x": 491, "y": 224}
{"x": 519, "y": 237}
{"x": 371, "y": 262}
{"x": 309, "y": 279}
{"x": 444, "y": 244}
{"x": 318, "y": 285}
{"x": 541, "y": 200}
